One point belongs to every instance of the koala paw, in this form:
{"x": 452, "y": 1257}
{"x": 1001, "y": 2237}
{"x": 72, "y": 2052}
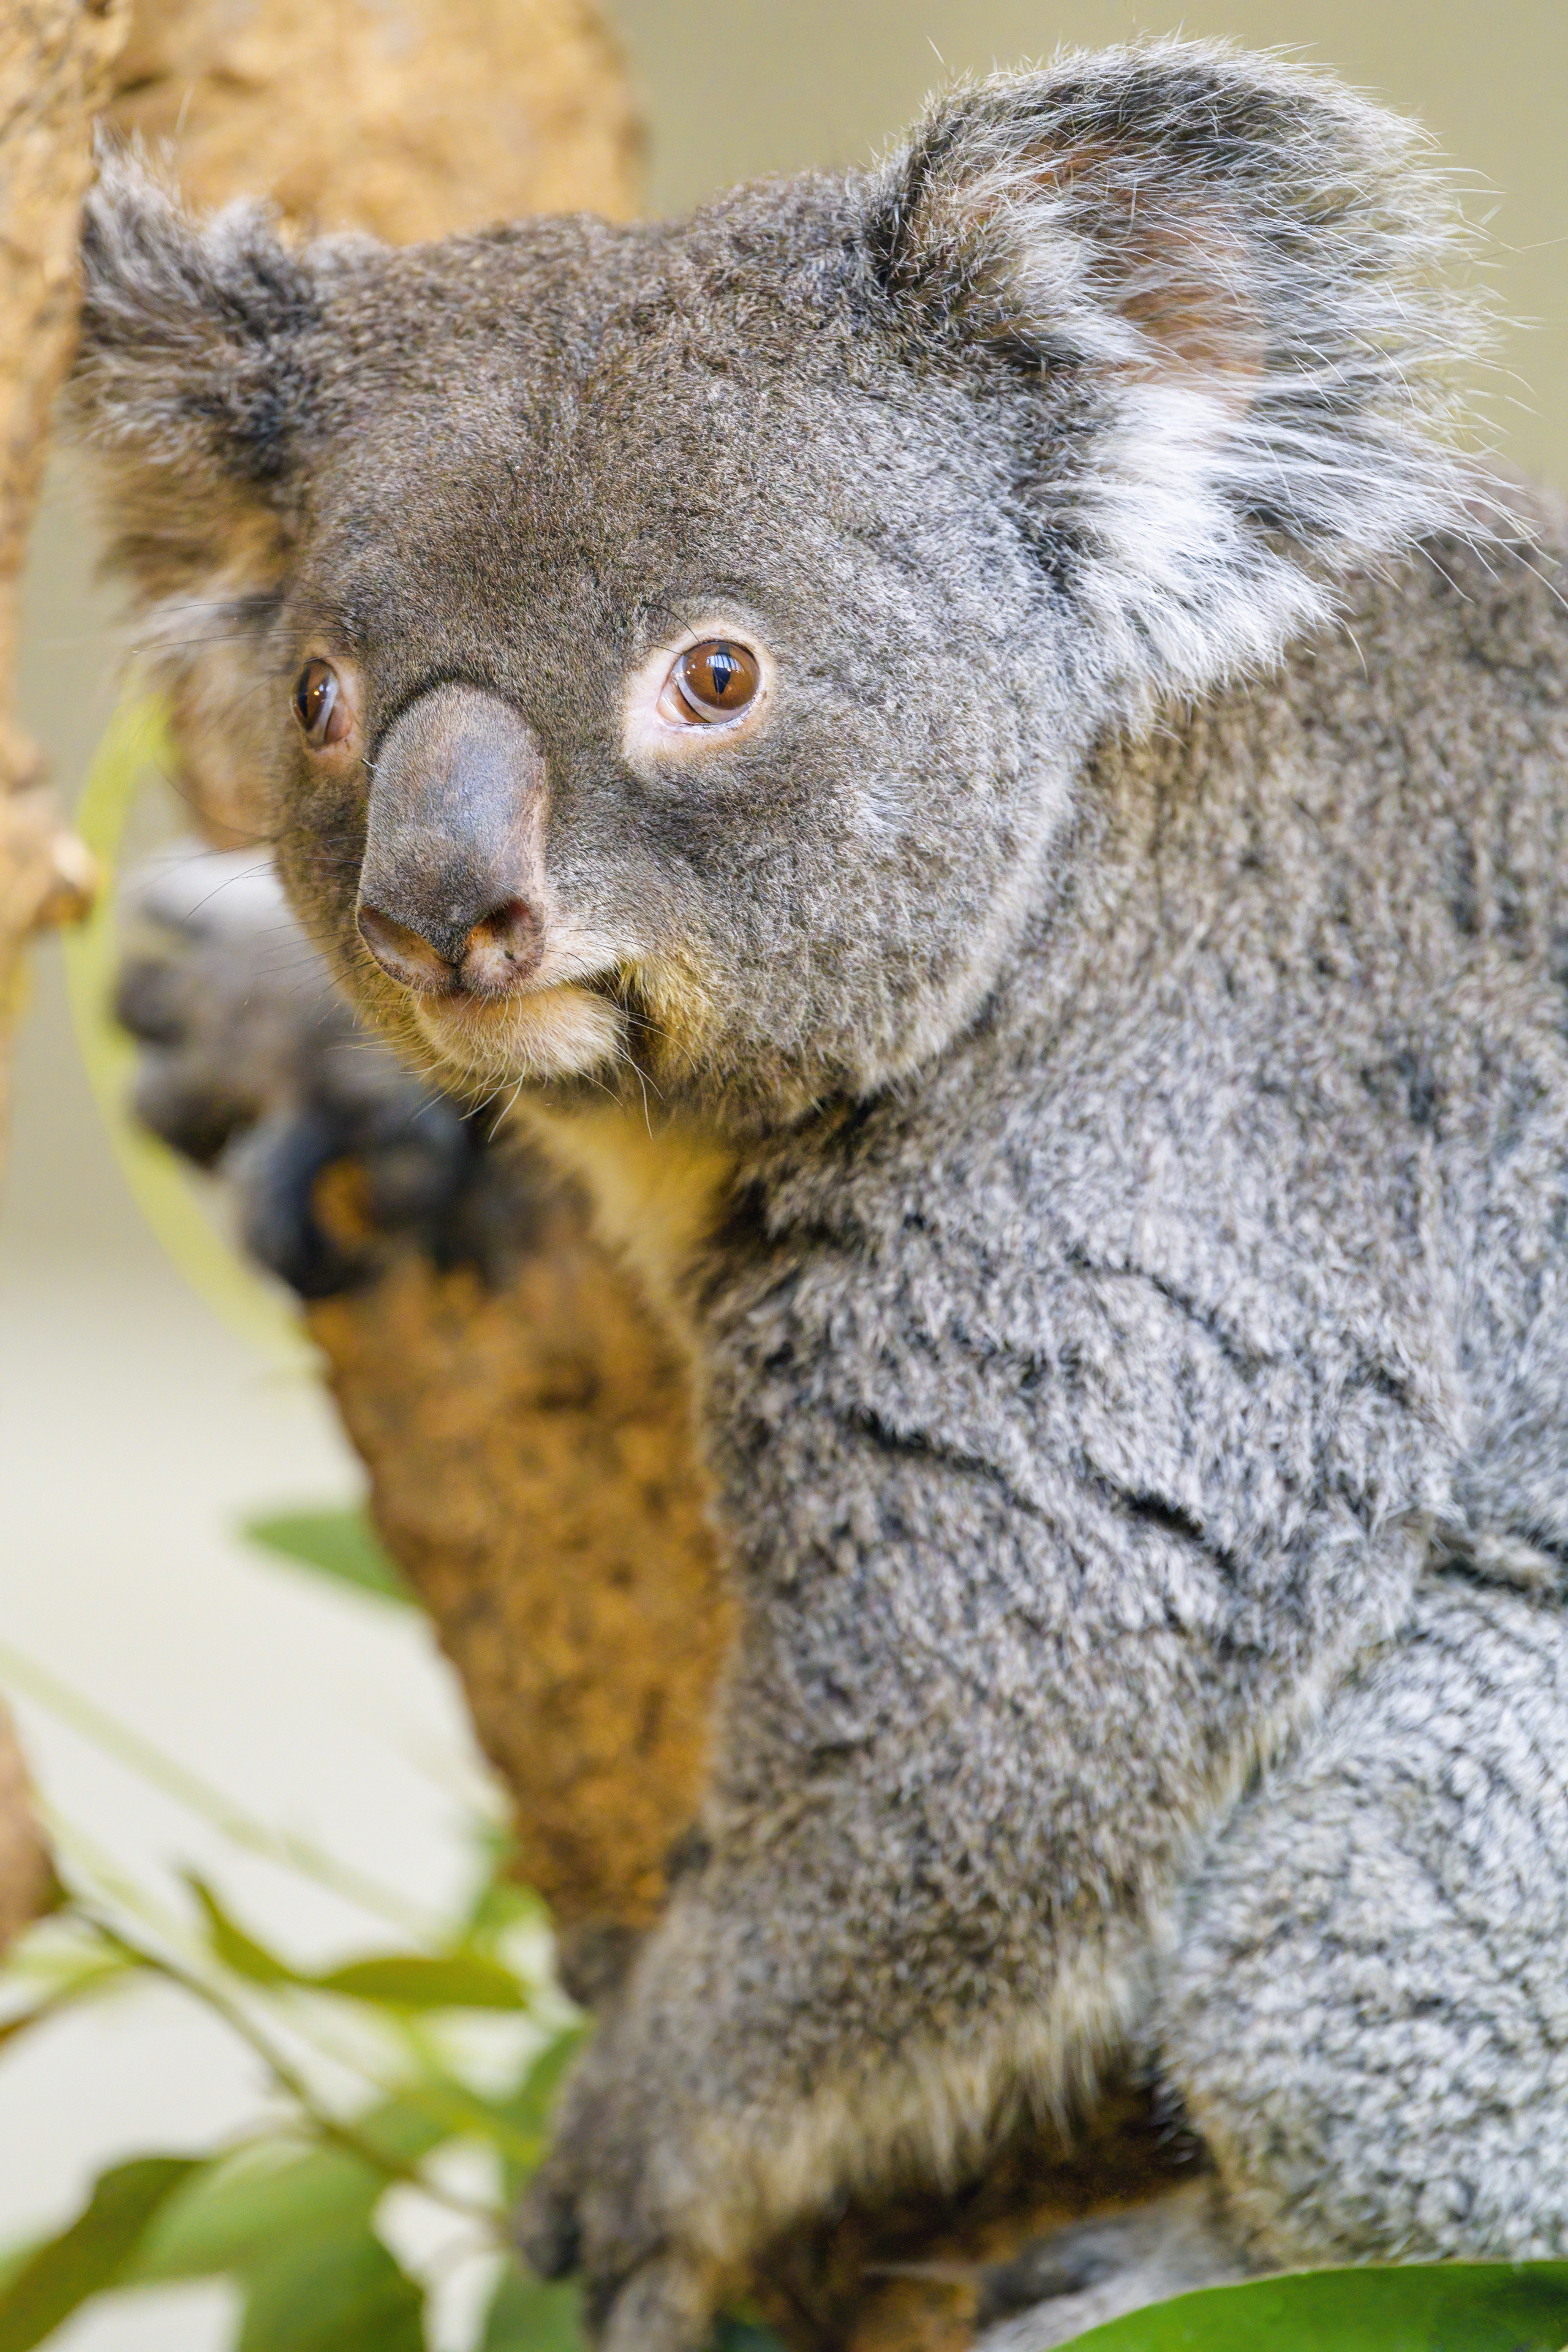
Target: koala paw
{"x": 253, "y": 1065}
{"x": 617, "y": 2202}
{"x": 1096, "y": 2271}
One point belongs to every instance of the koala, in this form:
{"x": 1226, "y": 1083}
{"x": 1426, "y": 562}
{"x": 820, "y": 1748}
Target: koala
{"x": 958, "y": 741}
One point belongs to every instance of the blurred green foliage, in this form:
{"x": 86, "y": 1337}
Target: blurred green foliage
{"x": 288, "y": 2212}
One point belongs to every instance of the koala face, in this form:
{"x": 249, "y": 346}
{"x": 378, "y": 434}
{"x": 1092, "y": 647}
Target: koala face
{"x": 678, "y": 704}
{"x": 681, "y": 644}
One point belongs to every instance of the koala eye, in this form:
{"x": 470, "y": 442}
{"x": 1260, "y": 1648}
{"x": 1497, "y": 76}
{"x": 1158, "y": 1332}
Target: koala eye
{"x": 320, "y": 705}
{"x": 712, "y": 681}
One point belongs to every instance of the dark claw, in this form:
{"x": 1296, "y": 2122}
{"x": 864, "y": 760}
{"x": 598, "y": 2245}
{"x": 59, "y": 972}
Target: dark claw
{"x": 149, "y": 1000}
{"x": 548, "y": 2234}
{"x": 594, "y": 1960}
{"x": 1066, "y": 2262}
{"x": 252, "y": 1063}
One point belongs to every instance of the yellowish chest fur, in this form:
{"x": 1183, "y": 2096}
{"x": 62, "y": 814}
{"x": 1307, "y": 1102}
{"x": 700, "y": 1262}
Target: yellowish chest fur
{"x": 657, "y": 1189}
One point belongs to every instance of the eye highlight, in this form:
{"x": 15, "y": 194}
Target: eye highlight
{"x": 321, "y": 704}
{"x": 710, "y": 682}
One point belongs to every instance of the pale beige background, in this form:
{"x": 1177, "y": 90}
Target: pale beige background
{"x": 756, "y": 87}
{"x": 134, "y": 1427}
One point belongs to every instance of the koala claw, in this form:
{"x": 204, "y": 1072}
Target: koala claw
{"x": 609, "y": 2203}
{"x": 1093, "y": 2271}
{"x": 548, "y": 2232}
{"x": 662, "y": 2303}
{"x": 666, "y": 2307}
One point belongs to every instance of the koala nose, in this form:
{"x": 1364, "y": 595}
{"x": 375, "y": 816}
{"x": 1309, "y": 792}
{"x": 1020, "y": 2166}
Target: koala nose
{"x": 452, "y": 884}
{"x": 492, "y": 956}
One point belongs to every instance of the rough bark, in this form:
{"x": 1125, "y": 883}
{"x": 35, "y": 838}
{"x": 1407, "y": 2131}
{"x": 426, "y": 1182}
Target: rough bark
{"x": 532, "y": 1471}
{"x": 407, "y": 117}
{"x": 55, "y": 60}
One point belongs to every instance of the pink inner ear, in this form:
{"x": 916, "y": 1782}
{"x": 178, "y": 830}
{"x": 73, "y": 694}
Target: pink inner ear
{"x": 1169, "y": 263}
{"x": 1190, "y": 294}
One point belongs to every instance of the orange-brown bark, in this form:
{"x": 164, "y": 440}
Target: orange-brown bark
{"x": 55, "y": 62}
{"x": 531, "y": 1469}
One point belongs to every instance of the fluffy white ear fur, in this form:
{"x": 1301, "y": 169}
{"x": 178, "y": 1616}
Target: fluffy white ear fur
{"x": 1231, "y": 281}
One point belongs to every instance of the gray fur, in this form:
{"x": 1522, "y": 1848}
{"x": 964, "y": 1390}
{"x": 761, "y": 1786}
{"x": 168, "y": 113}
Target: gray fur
{"x": 1129, "y": 1333}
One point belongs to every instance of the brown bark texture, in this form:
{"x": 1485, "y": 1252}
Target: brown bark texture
{"x": 530, "y": 1448}
{"x": 55, "y": 61}
{"x": 406, "y": 118}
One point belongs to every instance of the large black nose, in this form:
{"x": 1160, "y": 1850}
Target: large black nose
{"x": 451, "y": 890}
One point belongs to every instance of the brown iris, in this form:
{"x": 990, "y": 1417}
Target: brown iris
{"x": 716, "y": 680}
{"x": 320, "y": 705}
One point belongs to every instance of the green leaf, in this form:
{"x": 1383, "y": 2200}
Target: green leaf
{"x": 525, "y": 2315}
{"x": 233, "y": 1946}
{"x": 525, "y": 2114}
{"x": 422, "y": 1981}
{"x": 338, "y": 1544}
{"x": 93, "y": 2253}
{"x": 296, "y": 2234}
{"x": 1448, "y": 2307}
{"x": 532, "y": 2103}
{"x": 271, "y": 2193}
{"x": 330, "y": 2291}
{"x": 390, "y": 1979}
{"x": 13, "y": 2259}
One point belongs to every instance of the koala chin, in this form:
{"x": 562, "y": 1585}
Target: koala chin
{"x": 959, "y": 734}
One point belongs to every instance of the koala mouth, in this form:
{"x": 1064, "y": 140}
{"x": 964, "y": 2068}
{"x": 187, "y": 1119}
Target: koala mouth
{"x": 573, "y": 1029}
{"x": 640, "y": 1028}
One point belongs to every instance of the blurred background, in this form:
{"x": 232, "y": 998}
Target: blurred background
{"x": 142, "y": 1421}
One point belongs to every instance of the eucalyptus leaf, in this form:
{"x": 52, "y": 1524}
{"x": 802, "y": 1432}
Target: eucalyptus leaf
{"x": 391, "y": 1979}
{"x": 330, "y": 2290}
{"x": 234, "y": 1945}
{"x": 229, "y": 2217}
{"x": 1446, "y": 2307}
{"x": 530, "y": 2103}
{"x": 423, "y": 1981}
{"x": 94, "y": 2253}
{"x": 525, "y": 2315}
{"x": 339, "y": 1544}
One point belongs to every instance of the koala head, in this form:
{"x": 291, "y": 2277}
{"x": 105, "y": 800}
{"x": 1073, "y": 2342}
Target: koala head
{"x": 670, "y": 651}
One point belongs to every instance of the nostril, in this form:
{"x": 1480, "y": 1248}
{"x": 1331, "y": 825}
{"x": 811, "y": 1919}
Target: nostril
{"x": 405, "y": 953}
{"x": 502, "y": 947}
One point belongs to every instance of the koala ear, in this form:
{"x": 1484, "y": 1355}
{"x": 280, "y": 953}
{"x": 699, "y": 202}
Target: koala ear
{"x": 1223, "y": 277}
{"x": 193, "y": 384}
